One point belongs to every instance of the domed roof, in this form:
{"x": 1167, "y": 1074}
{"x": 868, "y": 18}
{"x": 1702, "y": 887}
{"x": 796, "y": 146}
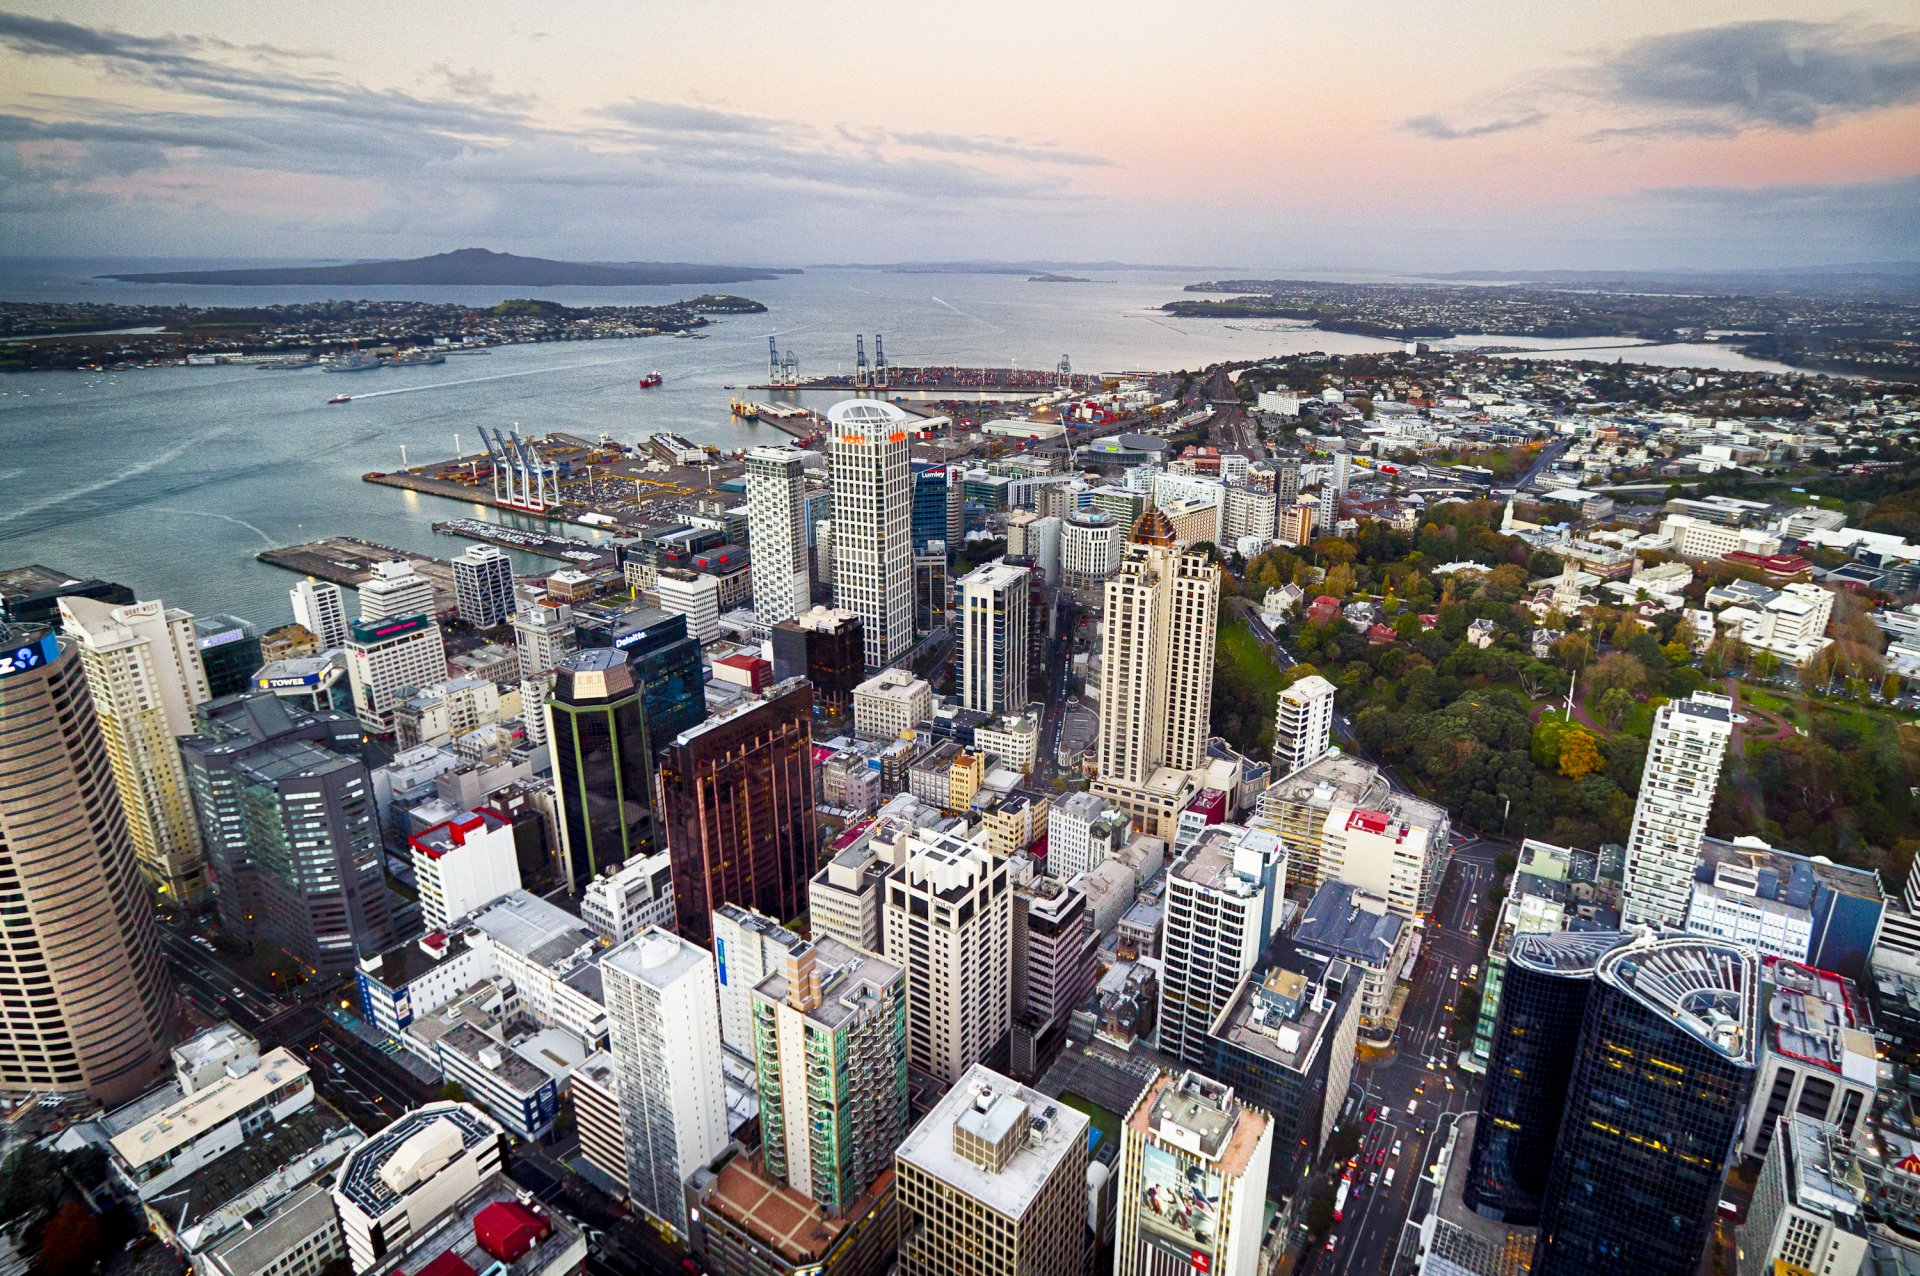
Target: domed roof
{"x": 1153, "y": 528}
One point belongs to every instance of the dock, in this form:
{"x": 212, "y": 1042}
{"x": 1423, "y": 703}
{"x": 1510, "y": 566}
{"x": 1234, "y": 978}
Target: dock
{"x": 348, "y": 560}
{"x": 564, "y": 548}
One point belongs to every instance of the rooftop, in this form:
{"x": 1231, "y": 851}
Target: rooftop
{"x": 1572, "y": 954}
{"x": 1054, "y": 1132}
{"x": 1200, "y": 1116}
{"x": 1817, "y": 1018}
{"x": 483, "y": 1230}
{"x": 850, "y": 981}
{"x": 656, "y": 957}
{"x": 378, "y": 1174}
{"x": 176, "y": 1126}
{"x": 1337, "y": 779}
{"x": 1345, "y": 921}
{"x": 1282, "y": 1014}
{"x": 542, "y": 933}
{"x": 780, "y": 1218}
{"x": 1710, "y": 989}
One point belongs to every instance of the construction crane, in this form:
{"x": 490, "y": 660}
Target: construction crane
{"x": 859, "y": 362}
{"x": 879, "y": 364}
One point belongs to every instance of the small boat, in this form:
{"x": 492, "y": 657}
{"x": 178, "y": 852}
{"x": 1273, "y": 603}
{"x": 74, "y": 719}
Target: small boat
{"x": 341, "y": 398}
{"x": 651, "y": 380}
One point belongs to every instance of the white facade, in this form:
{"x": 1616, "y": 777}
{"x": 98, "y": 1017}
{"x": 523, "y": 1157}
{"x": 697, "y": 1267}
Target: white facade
{"x": 1383, "y": 853}
{"x": 383, "y": 668}
{"x": 873, "y": 523}
{"x": 624, "y": 901}
{"x": 1303, "y": 724}
{"x": 405, "y": 1178}
{"x": 542, "y": 634}
{"x": 994, "y": 608}
{"x": 666, "y": 1056}
{"x": 174, "y": 1141}
{"x": 1036, "y": 536}
{"x": 394, "y": 592}
{"x": 747, "y": 947}
{"x": 1249, "y": 511}
{"x": 483, "y": 586}
{"x": 777, "y": 533}
{"x": 1014, "y": 740}
{"x": 890, "y": 703}
{"x": 695, "y": 595}
{"x": 1803, "y": 1216}
{"x": 320, "y": 607}
{"x": 1191, "y": 1130}
{"x": 544, "y": 951}
{"x": 1223, "y": 905}
{"x": 1089, "y": 548}
{"x": 1082, "y": 830}
{"x": 1689, "y": 744}
{"x": 463, "y": 865}
{"x": 1698, "y": 538}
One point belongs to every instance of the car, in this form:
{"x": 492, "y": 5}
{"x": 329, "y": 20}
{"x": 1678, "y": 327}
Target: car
{"x": 1374, "y": 1177}
{"x": 1412, "y": 1107}
{"x": 1380, "y": 1157}
{"x": 235, "y": 992}
{"x": 1389, "y": 1176}
{"x": 1373, "y": 1114}
{"x": 1330, "y": 1241}
{"x": 339, "y": 1069}
{"x": 1396, "y": 1147}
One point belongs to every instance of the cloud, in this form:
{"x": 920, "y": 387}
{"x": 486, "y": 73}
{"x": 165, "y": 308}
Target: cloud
{"x": 1437, "y": 128}
{"x": 682, "y": 117}
{"x": 1000, "y": 147}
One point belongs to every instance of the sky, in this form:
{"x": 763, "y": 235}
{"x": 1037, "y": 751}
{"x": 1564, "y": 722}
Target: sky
{"x": 1398, "y": 135}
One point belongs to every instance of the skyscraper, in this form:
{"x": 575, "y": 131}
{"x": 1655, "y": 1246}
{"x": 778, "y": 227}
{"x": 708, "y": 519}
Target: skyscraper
{"x": 736, "y": 799}
{"x": 664, "y": 1031}
{"x": 1223, "y": 905}
{"x": 872, "y": 524}
{"x": 777, "y": 532}
{"x": 947, "y": 916}
{"x": 602, "y": 764}
{"x": 1543, "y": 1005}
{"x": 1157, "y": 672}
{"x": 995, "y": 605}
{"x": 1303, "y": 724}
{"x": 542, "y": 633}
{"x": 389, "y": 660}
{"x": 292, "y": 832}
{"x": 823, "y": 646}
{"x": 1689, "y": 743}
{"x": 143, "y": 666}
{"x": 1655, "y": 1106}
{"x": 931, "y": 491}
{"x": 483, "y": 586}
{"x": 1193, "y": 1180}
{"x": 393, "y": 592}
{"x": 322, "y": 609}
{"x": 80, "y": 961}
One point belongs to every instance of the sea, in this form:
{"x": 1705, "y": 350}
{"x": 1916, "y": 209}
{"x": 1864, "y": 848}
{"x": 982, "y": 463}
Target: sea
{"x": 171, "y": 480}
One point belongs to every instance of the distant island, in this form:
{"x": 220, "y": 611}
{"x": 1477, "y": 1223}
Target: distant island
{"x": 1057, "y": 279}
{"x": 477, "y": 266}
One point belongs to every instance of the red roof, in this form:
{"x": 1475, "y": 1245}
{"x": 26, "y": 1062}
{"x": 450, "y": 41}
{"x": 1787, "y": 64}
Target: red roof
{"x": 737, "y": 661}
{"x": 508, "y": 1229}
{"x": 448, "y": 1264}
{"x": 1327, "y": 600}
{"x": 1380, "y": 633}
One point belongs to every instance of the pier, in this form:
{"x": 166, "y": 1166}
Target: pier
{"x": 348, "y": 560}
{"x": 565, "y": 548}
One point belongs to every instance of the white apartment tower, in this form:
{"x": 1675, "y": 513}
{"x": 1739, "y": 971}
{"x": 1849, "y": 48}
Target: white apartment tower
{"x": 995, "y": 604}
{"x": 947, "y": 918}
{"x": 394, "y": 592}
{"x": 1302, "y": 725}
{"x": 320, "y": 607}
{"x": 777, "y": 532}
{"x": 1689, "y": 743}
{"x": 873, "y": 524}
{"x": 542, "y": 633}
{"x": 483, "y": 586}
{"x": 665, "y": 1033}
{"x": 142, "y": 663}
{"x": 1223, "y": 905}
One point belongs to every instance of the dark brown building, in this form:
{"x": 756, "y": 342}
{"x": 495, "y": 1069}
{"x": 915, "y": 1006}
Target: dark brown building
{"x": 823, "y": 646}
{"x": 737, "y": 797}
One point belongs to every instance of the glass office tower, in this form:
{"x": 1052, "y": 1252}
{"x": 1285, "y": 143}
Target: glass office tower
{"x": 602, "y": 765}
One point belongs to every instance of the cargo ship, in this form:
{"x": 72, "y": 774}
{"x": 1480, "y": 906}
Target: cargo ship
{"x": 651, "y": 380}
{"x": 352, "y": 361}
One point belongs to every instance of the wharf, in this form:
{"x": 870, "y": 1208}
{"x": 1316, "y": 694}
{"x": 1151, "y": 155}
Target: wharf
{"x": 348, "y": 560}
{"x": 565, "y": 548}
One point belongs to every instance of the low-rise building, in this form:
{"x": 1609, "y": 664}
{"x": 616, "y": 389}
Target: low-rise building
{"x": 405, "y": 1180}
{"x": 624, "y": 901}
{"x": 1359, "y": 928}
{"x": 890, "y": 703}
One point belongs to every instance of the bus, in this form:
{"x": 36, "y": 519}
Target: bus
{"x": 1340, "y": 1201}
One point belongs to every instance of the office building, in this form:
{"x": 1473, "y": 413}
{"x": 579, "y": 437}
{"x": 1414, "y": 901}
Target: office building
{"x": 1036, "y": 537}
{"x": 1805, "y": 909}
{"x": 993, "y": 1182}
{"x": 1082, "y": 831}
{"x": 82, "y": 953}
{"x": 666, "y": 1055}
{"x": 948, "y": 919}
{"x": 872, "y": 524}
{"x": 291, "y": 828}
{"x": 229, "y": 653}
{"x": 1223, "y": 904}
{"x": 403, "y": 1179}
{"x": 844, "y": 898}
{"x": 995, "y": 606}
{"x": 602, "y": 765}
{"x": 483, "y": 586}
{"x": 321, "y": 607}
{"x": 933, "y": 494}
{"x": 542, "y": 633}
{"x": 1342, "y": 820}
{"x": 394, "y": 592}
{"x": 777, "y": 532}
{"x": 31, "y": 595}
{"x": 1543, "y": 1005}
{"x": 1303, "y": 724}
{"x": 665, "y": 657}
{"x": 736, "y": 803}
{"x": 747, "y": 948}
{"x": 891, "y": 703}
{"x": 829, "y": 1048}
{"x": 1193, "y": 1181}
{"x": 1689, "y": 743}
{"x": 623, "y": 901}
{"x": 823, "y": 646}
{"x": 1659, "y": 1090}
{"x": 1054, "y": 943}
{"x": 463, "y": 864}
{"x": 1156, "y": 671}
{"x": 1536, "y": 904}
{"x": 694, "y": 595}
{"x": 1806, "y": 1215}
{"x": 387, "y": 661}
{"x": 143, "y": 668}
{"x": 1817, "y": 1055}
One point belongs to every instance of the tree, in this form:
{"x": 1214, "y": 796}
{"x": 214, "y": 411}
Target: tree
{"x": 1614, "y": 706}
{"x": 1616, "y": 669}
{"x": 453, "y": 1092}
{"x": 72, "y": 1236}
{"x": 1579, "y": 755}
{"x": 1339, "y": 582}
{"x": 1890, "y": 687}
{"x": 1572, "y": 652}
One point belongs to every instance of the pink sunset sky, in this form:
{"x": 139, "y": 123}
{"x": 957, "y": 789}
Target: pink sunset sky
{"x": 1389, "y": 135}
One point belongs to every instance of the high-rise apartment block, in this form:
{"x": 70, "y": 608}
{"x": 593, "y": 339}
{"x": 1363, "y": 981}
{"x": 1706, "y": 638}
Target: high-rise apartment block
{"x": 995, "y": 605}
{"x": 320, "y": 606}
{"x": 844, "y": 898}
{"x": 1303, "y": 724}
{"x": 747, "y": 948}
{"x": 387, "y": 661}
{"x": 665, "y": 1038}
{"x": 1053, "y": 967}
{"x": 948, "y": 919}
{"x": 1223, "y": 905}
{"x": 483, "y": 586}
{"x": 542, "y": 633}
{"x": 395, "y": 592}
{"x": 1343, "y": 821}
{"x": 1689, "y": 744}
{"x": 873, "y": 524}
{"x": 602, "y": 764}
{"x": 993, "y": 1182}
{"x": 143, "y": 666}
{"x": 1193, "y": 1180}
{"x": 81, "y": 958}
{"x": 777, "y": 532}
{"x": 736, "y": 803}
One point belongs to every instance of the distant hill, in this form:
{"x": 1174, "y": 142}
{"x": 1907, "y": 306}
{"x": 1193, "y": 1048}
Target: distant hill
{"x": 473, "y": 266}
{"x": 1882, "y": 278}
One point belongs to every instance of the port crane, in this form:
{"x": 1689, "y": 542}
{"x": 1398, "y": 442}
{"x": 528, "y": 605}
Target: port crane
{"x": 860, "y": 381}
{"x": 879, "y": 381}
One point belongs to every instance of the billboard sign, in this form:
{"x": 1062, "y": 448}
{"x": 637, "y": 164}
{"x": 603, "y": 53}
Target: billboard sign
{"x": 1179, "y": 1206}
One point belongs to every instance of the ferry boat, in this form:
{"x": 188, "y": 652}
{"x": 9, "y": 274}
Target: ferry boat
{"x": 417, "y": 357}
{"x": 651, "y": 380}
{"x": 341, "y": 398}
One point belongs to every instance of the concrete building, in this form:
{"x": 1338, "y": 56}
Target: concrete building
{"x": 844, "y": 898}
{"x": 823, "y": 646}
{"x": 623, "y": 901}
{"x": 1536, "y": 904}
{"x": 1817, "y": 1058}
{"x": 1090, "y": 542}
{"x": 387, "y": 661}
{"x": 1690, "y": 739}
{"x": 1082, "y": 831}
{"x": 596, "y": 1110}
{"x": 995, "y": 606}
{"x": 873, "y": 523}
{"x": 483, "y": 586}
{"x": 948, "y": 917}
{"x": 542, "y": 633}
{"x": 497, "y": 1228}
{"x": 404, "y": 1179}
{"x": 1303, "y": 724}
{"x": 695, "y": 595}
{"x": 1223, "y": 905}
{"x": 143, "y": 668}
{"x": 1805, "y": 909}
{"x": 1193, "y": 1180}
{"x": 1036, "y": 536}
{"x": 394, "y": 592}
{"x": 890, "y": 703}
{"x": 666, "y": 1051}
{"x": 1362, "y": 930}
{"x": 777, "y": 532}
{"x": 1804, "y": 1216}
{"x": 747, "y": 948}
{"x": 1053, "y": 967}
{"x": 463, "y": 864}
{"x": 442, "y": 713}
{"x": 320, "y": 607}
{"x": 993, "y": 1182}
